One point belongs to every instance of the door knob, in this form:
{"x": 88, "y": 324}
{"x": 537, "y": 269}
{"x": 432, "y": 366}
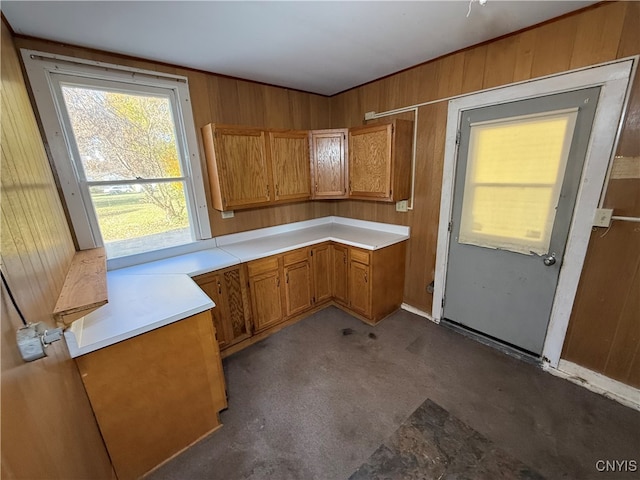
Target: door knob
{"x": 549, "y": 259}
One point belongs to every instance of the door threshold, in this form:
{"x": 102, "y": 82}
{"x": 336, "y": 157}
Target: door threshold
{"x": 493, "y": 342}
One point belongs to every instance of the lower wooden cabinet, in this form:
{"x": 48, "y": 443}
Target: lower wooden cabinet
{"x": 232, "y": 314}
{"x": 340, "y": 273}
{"x": 253, "y": 298}
{"x": 155, "y": 394}
{"x": 359, "y": 287}
{"x": 266, "y": 293}
{"x": 321, "y": 268}
{"x": 375, "y": 281}
{"x": 297, "y": 275}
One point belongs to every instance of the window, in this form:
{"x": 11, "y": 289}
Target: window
{"x": 127, "y": 160}
{"x": 513, "y": 180}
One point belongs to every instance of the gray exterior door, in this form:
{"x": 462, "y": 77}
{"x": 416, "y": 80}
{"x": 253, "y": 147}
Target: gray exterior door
{"x": 518, "y": 171}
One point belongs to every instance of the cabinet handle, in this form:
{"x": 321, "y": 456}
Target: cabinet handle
{"x": 365, "y": 277}
{"x": 287, "y": 279}
{"x": 268, "y": 194}
{"x": 219, "y": 289}
{"x": 278, "y": 284}
{"x": 344, "y": 256}
{"x": 277, "y": 190}
{"x": 316, "y": 186}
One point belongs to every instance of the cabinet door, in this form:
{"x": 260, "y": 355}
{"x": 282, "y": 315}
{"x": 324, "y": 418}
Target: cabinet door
{"x": 370, "y": 161}
{"x": 328, "y": 163}
{"x": 298, "y": 287}
{"x": 242, "y": 166}
{"x": 321, "y": 268}
{"x": 340, "y": 269}
{"x": 359, "y": 288}
{"x": 266, "y": 299}
{"x": 289, "y": 153}
{"x": 236, "y": 305}
{"x": 212, "y": 286}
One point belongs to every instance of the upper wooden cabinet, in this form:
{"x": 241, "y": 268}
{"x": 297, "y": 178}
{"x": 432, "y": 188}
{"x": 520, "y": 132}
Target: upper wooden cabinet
{"x": 329, "y": 172}
{"x": 289, "y": 155}
{"x": 251, "y": 167}
{"x": 380, "y": 161}
{"x": 238, "y": 168}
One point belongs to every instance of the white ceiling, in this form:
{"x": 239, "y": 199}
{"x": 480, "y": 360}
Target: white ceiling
{"x": 322, "y": 47}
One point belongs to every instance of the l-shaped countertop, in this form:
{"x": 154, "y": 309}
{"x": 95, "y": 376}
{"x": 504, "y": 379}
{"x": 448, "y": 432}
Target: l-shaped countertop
{"x": 151, "y": 295}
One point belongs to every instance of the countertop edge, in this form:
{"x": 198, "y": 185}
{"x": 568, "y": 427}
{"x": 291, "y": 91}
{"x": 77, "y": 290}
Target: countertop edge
{"x": 79, "y": 350}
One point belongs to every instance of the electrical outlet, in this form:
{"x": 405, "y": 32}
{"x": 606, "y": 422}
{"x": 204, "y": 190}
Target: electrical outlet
{"x": 602, "y": 218}
{"x": 402, "y": 206}
{"x": 227, "y": 214}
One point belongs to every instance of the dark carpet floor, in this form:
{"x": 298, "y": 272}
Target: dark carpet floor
{"x": 313, "y": 403}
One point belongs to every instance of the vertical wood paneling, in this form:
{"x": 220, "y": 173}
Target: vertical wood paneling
{"x": 554, "y": 46}
{"x": 597, "y": 36}
{"x": 474, "y": 60}
{"x": 500, "y": 62}
{"x": 48, "y": 428}
{"x": 606, "y": 32}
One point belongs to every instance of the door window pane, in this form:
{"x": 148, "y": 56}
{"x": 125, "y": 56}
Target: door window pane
{"x": 515, "y": 169}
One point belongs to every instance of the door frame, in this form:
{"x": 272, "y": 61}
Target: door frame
{"x": 614, "y": 78}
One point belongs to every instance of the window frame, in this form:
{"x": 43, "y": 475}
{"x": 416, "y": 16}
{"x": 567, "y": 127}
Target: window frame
{"x": 45, "y": 72}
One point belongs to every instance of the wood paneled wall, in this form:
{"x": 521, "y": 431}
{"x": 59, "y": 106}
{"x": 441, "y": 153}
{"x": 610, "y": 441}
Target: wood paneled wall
{"x": 601, "y": 33}
{"x": 48, "y": 428}
{"x": 221, "y": 99}
{"x": 602, "y": 320}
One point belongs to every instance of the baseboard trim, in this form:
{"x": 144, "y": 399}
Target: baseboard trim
{"x": 417, "y": 311}
{"x": 620, "y": 392}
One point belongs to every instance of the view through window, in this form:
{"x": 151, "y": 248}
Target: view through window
{"x": 128, "y": 158}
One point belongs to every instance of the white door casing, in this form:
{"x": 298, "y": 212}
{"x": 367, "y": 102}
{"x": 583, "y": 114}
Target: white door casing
{"x": 614, "y": 78}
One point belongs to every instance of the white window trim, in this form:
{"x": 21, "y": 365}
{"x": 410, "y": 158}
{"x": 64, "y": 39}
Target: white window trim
{"x": 615, "y": 81}
{"x": 39, "y": 66}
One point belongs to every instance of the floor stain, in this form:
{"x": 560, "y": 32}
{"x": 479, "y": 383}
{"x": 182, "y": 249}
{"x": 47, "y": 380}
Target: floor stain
{"x": 348, "y": 331}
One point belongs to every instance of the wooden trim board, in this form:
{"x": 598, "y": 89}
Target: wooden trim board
{"x": 84, "y": 288}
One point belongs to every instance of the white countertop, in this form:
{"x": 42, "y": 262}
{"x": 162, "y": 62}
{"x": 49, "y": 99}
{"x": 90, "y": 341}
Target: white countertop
{"x": 262, "y": 243}
{"x": 137, "y": 304}
{"x": 192, "y": 264}
{"x": 151, "y": 295}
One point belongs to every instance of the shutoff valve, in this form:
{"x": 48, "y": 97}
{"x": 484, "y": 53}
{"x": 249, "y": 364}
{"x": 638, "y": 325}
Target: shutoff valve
{"x": 34, "y": 338}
